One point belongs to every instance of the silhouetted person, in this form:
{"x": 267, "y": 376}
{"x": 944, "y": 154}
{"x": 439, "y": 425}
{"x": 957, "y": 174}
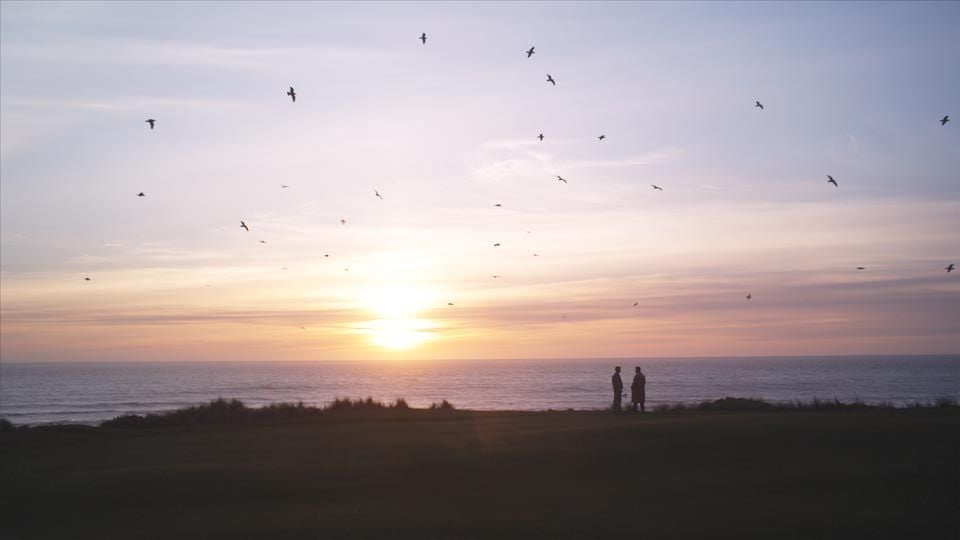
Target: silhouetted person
{"x": 638, "y": 390}
{"x": 617, "y": 390}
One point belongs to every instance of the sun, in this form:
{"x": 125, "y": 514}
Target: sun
{"x": 399, "y": 334}
{"x": 398, "y": 326}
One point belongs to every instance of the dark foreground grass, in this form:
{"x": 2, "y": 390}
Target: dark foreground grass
{"x": 421, "y": 474}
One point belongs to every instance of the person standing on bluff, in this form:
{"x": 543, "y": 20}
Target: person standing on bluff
{"x": 617, "y": 389}
{"x": 638, "y": 390}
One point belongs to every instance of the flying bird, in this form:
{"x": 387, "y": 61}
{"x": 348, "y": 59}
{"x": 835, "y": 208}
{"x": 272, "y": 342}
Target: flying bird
{"x": 343, "y": 222}
{"x": 861, "y": 268}
{"x": 830, "y": 180}
{"x": 423, "y": 38}
{"x": 449, "y": 303}
{"x": 550, "y": 80}
{"x": 530, "y": 52}
{"x": 602, "y": 137}
{"x": 495, "y": 276}
{"x": 377, "y": 193}
{"x": 540, "y": 136}
{"x": 292, "y": 94}
{"x": 150, "y": 121}
{"x": 943, "y": 121}
{"x": 758, "y": 104}
{"x": 284, "y": 186}
{"x": 141, "y": 194}
{"x": 949, "y": 268}
{"x": 654, "y": 186}
{"x": 561, "y": 179}
{"x": 635, "y": 304}
{"x": 326, "y": 255}
{"x": 749, "y": 296}
{"x": 263, "y": 241}
{"x": 244, "y": 226}
{"x": 536, "y": 254}
{"x": 498, "y": 205}
{"x": 88, "y": 279}
{"x": 497, "y": 244}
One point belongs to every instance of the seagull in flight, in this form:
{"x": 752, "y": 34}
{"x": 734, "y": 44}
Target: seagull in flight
{"x": 654, "y": 186}
{"x": 830, "y": 180}
{"x": 244, "y": 226}
{"x": 88, "y": 279}
{"x": 423, "y": 38}
{"x": 498, "y": 205}
{"x": 635, "y": 304}
{"x": 292, "y": 94}
{"x": 550, "y": 80}
{"x": 536, "y": 254}
{"x": 749, "y": 296}
{"x": 343, "y": 222}
{"x": 377, "y": 193}
{"x": 284, "y": 186}
{"x": 758, "y": 104}
{"x": 497, "y": 244}
{"x": 263, "y": 241}
{"x": 602, "y": 137}
{"x": 561, "y": 179}
{"x": 449, "y": 303}
{"x": 150, "y": 121}
{"x": 943, "y": 121}
{"x": 141, "y": 194}
{"x": 949, "y": 268}
{"x": 861, "y": 268}
{"x": 540, "y": 136}
{"x": 530, "y": 52}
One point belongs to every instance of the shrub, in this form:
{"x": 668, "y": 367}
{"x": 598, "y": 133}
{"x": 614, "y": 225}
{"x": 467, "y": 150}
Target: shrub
{"x": 5, "y": 425}
{"x": 443, "y": 405}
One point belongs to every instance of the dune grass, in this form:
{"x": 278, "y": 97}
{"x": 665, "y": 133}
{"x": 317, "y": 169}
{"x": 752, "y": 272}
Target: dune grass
{"x": 371, "y": 470}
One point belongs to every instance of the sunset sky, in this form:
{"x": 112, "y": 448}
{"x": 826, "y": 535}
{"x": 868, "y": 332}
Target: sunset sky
{"x": 446, "y": 130}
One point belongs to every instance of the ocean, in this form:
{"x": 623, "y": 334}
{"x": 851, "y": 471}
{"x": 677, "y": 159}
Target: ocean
{"x": 88, "y": 393}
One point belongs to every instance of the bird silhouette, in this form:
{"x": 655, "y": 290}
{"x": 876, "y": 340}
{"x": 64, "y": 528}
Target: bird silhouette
{"x": 758, "y": 104}
{"x": 530, "y": 52}
{"x": 654, "y": 186}
{"x": 498, "y": 205}
{"x": 292, "y": 94}
{"x": 602, "y": 137}
{"x": 830, "y": 180}
{"x": 88, "y": 279}
{"x": 343, "y": 222}
{"x": 263, "y": 241}
{"x": 536, "y": 254}
{"x": 943, "y": 121}
{"x": 141, "y": 194}
{"x": 377, "y": 193}
{"x": 561, "y": 179}
{"x": 749, "y": 296}
{"x": 284, "y": 186}
{"x": 150, "y": 121}
{"x": 550, "y": 80}
{"x": 861, "y": 268}
{"x": 497, "y": 244}
{"x": 326, "y": 255}
{"x": 540, "y": 136}
{"x": 244, "y": 226}
{"x": 495, "y": 276}
{"x": 449, "y": 303}
{"x": 949, "y": 268}
{"x": 423, "y": 38}
{"x": 635, "y": 304}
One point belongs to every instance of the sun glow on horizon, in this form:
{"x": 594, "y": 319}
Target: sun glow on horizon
{"x": 398, "y": 327}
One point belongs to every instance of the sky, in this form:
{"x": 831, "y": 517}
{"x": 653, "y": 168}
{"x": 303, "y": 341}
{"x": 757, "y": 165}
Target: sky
{"x": 444, "y": 131}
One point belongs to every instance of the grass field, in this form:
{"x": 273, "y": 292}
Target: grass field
{"x": 452, "y": 474}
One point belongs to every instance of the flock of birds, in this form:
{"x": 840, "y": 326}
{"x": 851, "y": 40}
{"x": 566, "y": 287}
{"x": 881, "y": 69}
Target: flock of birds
{"x": 292, "y": 94}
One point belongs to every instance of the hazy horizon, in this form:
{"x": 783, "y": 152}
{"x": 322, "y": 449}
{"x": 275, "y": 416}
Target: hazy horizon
{"x": 444, "y": 131}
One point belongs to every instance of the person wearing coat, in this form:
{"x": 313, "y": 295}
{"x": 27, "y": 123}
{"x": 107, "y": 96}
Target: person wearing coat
{"x": 638, "y": 390}
{"x": 617, "y": 390}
